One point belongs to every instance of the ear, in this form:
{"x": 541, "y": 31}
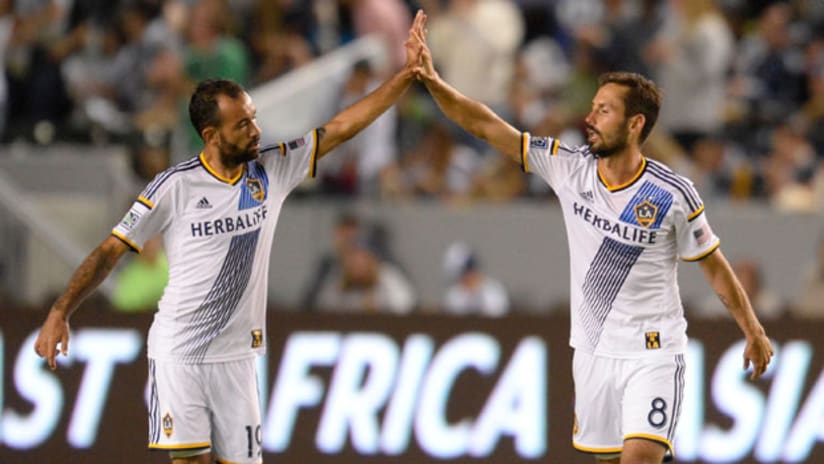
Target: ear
{"x": 209, "y": 134}
{"x": 637, "y": 122}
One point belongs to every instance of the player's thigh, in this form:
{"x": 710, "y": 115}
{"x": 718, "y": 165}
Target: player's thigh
{"x": 652, "y": 400}
{"x": 598, "y": 393}
{"x": 236, "y": 424}
{"x": 178, "y": 408}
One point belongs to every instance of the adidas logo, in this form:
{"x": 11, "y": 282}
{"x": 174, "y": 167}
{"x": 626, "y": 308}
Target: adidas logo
{"x": 203, "y": 204}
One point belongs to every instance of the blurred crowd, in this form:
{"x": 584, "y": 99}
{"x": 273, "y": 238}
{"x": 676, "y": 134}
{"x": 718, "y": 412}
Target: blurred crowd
{"x": 743, "y": 81}
{"x": 743, "y": 114}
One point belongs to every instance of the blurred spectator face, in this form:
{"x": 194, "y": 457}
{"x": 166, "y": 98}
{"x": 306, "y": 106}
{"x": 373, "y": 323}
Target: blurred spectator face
{"x": 607, "y": 125}
{"x": 773, "y": 25}
{"x": 204, "y": 22}
{"x": 360, "y": 268}
{"x": 708, "y": 154}
{"x": 346, "y": 232}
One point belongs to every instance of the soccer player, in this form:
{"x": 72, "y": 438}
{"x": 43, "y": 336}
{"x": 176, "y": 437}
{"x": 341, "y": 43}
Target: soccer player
{"x": 628, "y": 219}
{"x": 217, "y": 214}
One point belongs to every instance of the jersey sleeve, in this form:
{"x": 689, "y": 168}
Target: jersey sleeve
{"x": 292, "y": 162}
{"x": 549, "y": 158}
{"x": 149, "y": 214}
{"x": 694, "y": 236}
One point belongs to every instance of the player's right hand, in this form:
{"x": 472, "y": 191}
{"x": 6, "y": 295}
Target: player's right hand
{"x": 425, "y": 70}
{"x": 758, "y": 352}
{"x": 55, "y": 330}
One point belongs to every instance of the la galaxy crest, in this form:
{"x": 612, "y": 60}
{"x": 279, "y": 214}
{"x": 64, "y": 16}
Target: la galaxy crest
{"x": 168, "y": 424}
{"x": 645, "y": 213}
{"x": 255, "y": 187}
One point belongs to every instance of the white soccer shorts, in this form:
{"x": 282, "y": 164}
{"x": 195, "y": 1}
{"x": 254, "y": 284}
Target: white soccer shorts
{"x": 620, "y": 399}
{"x": 210, "y": 405}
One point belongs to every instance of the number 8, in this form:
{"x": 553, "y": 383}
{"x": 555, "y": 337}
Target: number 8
{"x": 657, "y": 417}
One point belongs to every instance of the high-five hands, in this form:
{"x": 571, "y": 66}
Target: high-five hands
{"x": 425, "y": 70}
{"x": 413, "y": 44}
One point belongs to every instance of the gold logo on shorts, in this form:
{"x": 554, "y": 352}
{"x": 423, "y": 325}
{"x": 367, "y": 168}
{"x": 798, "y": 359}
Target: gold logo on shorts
{"x": 574, "y": 424}
{"x": 257, "y": 338}
{"x": 653, "y": 340}
{"x": 168, "y": 424}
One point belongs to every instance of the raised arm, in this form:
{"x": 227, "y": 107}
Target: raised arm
{"x": 475, "y": 117}
{"x": 356, "y": 117}
{"x": 721, "y": 277}
{"x": 85, "y": 280}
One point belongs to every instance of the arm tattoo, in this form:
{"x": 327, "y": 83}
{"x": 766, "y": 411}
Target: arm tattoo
{"x": 724, "y": 300}
{"x": 321, "y": 133}
{"x": 86, "y": 278}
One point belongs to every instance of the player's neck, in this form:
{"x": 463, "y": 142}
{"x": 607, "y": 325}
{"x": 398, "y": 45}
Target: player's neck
{"x": 214, "y": 163}
{"x": 621, "y": 168}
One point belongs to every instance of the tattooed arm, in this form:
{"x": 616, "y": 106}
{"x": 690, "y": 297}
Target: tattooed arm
{"x": 85, "y": 280}
{"x": 721, "y": 277}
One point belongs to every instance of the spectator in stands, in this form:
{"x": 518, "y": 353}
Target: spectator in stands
{"x": 6, "y": 28}
{"x": 141, "y": 282}
{"x": 367, "y": 283}
{"x": 388, "y": 19}
{"x": 360, "y": 163}
{"x": 769, "y": 68}
{"x": 440, "y": 167}
{"x": 809, "y": 302}
{"x": 692, "y": 55}
{"x": 471, "y": 291}
{"x": 788, "y": 171}
{"x": 36, "y": 88}
{"x": 475, "y": 44}
{"x": 346, "y": 231}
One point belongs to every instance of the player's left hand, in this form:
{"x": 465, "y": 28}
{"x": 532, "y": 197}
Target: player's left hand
{"x": 758, "y": 352}
{"x": 413, "y": 47}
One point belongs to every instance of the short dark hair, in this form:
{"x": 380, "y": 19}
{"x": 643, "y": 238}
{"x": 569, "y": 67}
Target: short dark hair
{"x": 203, "y": 108}
{"x": 642, "y": 97}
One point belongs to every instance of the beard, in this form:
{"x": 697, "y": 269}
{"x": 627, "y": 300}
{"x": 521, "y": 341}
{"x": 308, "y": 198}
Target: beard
{"x": 605, "y": 148}
{"x": 233, "y": 155}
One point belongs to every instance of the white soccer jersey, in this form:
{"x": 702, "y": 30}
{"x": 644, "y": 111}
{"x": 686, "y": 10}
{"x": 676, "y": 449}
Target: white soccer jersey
{"x": 624, "y": 242}
{"x": 217, "y": 234}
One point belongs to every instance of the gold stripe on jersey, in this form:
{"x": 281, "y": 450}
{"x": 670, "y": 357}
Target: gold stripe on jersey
{"x": 126, "y": 240}
{"x": 524, "y": 151}
{"x": 282, "y": 149}
{"x": 695, "y": 213}
{"x": 588, "y": 449}
{"x": 615, "y": 188}
{"x": 704, "y": 254}
{"x": 555, "y": 144}
{"x": 145, "y": 201}
{"x": 185, "y": 446}
{"x": 214, "y": 173}
{"x": 314, "y": 161}
{"x": 654, "y": 438}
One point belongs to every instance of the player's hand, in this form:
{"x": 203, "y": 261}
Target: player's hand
{"x": 425, "y": 70}
{"x": 413, "y": 48}
{"x": 55, "y": 330}
{"x": 758, "y": 352}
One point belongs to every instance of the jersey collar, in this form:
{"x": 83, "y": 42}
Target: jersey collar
{"x": 216, "y": 175}
{"x": 616, "y": 188}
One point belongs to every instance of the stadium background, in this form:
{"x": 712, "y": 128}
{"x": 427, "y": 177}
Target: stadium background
{"x": 92, "y": 109}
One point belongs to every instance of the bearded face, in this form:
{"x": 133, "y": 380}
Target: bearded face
{"x": 605, "y": 143}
